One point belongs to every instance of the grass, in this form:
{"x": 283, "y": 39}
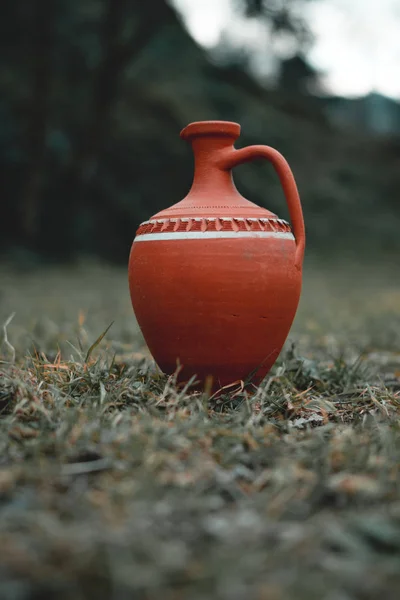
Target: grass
{"x": 114, "y": 484}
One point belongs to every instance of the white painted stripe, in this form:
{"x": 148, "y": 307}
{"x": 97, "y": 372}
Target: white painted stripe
{"x": 201, "y": 235}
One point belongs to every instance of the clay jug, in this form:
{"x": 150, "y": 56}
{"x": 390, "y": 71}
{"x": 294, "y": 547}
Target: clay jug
{"x": 215, "y": 280}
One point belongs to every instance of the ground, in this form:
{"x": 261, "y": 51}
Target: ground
{"x": 114, "y": 484}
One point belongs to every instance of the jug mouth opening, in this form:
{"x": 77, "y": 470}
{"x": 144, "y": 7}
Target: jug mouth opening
{"x": 211, "y": 128}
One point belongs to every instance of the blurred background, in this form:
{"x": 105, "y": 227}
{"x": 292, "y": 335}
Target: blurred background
{"x": 93, "y": 94}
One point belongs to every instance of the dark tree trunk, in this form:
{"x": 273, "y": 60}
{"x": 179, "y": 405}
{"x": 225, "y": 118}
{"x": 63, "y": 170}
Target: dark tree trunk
{"x": 81, "y": 183}
{"x": 115, "y": 58}
{"x": 42, "y": 46}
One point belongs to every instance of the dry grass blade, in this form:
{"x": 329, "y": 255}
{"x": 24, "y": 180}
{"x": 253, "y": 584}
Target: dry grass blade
{"x": 97, "y": 342}
{"x": 5, "y": 337}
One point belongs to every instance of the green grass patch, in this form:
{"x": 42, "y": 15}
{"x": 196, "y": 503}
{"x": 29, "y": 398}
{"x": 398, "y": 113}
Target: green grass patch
{"x": 114, "y": 483}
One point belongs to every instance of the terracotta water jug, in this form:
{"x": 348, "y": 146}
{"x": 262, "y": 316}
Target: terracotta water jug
{"x": 215, "y": 280}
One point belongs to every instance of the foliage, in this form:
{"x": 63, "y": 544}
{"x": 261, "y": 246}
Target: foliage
{"x": 92, "y": 97}
{"x": 283, "y": 16}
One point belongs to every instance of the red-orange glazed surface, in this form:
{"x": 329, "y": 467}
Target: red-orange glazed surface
{"x": 215, "y": 280}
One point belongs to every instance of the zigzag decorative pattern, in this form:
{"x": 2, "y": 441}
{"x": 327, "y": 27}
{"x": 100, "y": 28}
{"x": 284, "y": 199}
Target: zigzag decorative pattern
{"x": 213, "y": 224}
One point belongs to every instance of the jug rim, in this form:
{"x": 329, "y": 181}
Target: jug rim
{"x": 197, "y": 128}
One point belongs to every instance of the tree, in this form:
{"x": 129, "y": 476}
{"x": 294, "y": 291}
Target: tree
{"x": 42, "y": 41}
{"x": 296, "y": 76}
{"x": 282, "y": 17}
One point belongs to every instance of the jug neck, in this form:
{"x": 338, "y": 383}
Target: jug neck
{"x": 209, "y": 178}
{"x": 208, "y": 140}
{"x": 213, "y": 193}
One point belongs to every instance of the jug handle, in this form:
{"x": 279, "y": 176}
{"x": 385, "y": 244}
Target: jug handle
{"x": 232, "y": 158}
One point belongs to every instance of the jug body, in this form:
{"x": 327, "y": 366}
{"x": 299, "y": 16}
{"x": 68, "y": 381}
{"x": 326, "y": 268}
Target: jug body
{"x": 215, "y": 280}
